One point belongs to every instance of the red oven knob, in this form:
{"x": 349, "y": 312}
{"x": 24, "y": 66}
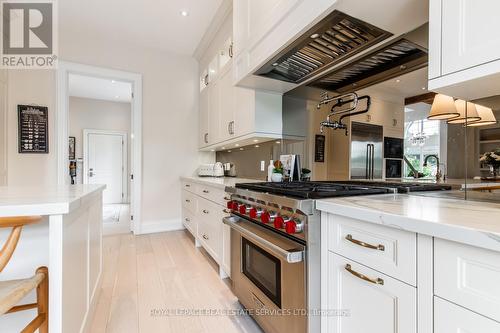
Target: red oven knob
{"x": 230, "y": 204}
{"x": 279, "y": 222}
{"x": 292, "y": 227}
{"x": 243, "y": 209}
{"x": 267, "y": 217}
{"x": 255, "y": 213}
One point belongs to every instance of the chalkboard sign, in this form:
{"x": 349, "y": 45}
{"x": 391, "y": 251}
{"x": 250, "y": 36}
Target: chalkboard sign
{"x": 319, "y": 148}
{"x": 33, "y": 129}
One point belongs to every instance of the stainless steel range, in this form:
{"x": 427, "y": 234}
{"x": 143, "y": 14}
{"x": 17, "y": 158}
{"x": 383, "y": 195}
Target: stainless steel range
{"x": 275, "y": 250}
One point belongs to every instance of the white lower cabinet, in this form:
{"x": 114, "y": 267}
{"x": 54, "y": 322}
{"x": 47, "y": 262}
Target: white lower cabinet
{"x": 373, "y": 302}
{"x": 369, "y": 281}
{"x": 451, "y": 318}
{"x": 203, "y": 207}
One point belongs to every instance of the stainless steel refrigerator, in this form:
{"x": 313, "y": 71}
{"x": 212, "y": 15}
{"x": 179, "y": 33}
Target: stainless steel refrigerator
{"x": 366, "y": 151}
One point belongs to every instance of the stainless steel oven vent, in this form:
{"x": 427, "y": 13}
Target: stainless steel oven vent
{"x": 389, "y": 61}
{"x": 335, "y": 38}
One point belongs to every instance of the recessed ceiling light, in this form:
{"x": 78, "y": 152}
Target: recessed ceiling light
{"x": 314, "y": 36}
{"x": 275, "y": 64}
{"x": 117, "y": 96}
{"x": 257, "y": 146}
{"x": 113, "y": 81}
{"x": 424, "y": 88}
{"x": 212, "y": 149}
{"x": 255, "y": 140}
{"x": 236, "y": 145}
{"x": 184, "y": 13}
{"x": 241, "y": 148}
{"x": 223, "y": 147}
{"x": 398, "y": 80}
{"x": 228, "y": 151}
{"x": 278, "y": 142}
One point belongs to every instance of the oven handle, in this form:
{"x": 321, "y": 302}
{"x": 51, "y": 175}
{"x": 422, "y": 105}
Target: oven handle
{"x": 289, "y": 257}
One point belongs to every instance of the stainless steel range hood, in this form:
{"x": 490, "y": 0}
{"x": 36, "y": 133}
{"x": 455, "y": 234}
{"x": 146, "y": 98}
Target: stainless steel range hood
{"x": 335, "y": 38}
{"x": 328, "y": 57}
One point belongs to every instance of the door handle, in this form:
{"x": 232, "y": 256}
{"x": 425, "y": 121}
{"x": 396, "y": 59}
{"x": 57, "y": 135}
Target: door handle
{"x": 91, "y": 172}
{"x": 367, "y": 161}
{"x": 363, "y": 277}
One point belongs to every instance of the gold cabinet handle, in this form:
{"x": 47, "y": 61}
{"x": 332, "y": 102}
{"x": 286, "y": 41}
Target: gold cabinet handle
{"x": 206, "y": 191}
{"x": 227, "y": 211}
{"x": 187, "y": 185}
{"x": 187, "y": 200}
{"x": 205, "y": 237}
{"x": 379, "y": 247}
{"x": 227, "y": 198}
{"x": 363, "y": 277}
{"x": 187, "y": 220}
{"x": 205, "y": 211}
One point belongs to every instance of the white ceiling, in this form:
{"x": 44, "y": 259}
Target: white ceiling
{"x": 408, "y": 85}
{"x": 98, "y": 88}
{"x": 155, "y": 24}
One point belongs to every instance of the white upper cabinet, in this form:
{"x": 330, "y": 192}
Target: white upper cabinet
{"x": 464, "y": 48}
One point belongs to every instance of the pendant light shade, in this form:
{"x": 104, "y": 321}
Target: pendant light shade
{"x": 469, "y": 117}
{"x": 487, "y": 117}
{"x": 443, "y": 108}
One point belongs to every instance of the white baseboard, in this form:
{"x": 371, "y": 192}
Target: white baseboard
{"x": 150, "y": 227}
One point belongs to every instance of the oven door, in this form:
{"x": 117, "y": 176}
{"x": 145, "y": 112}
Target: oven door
{"x": 268, "y": 272}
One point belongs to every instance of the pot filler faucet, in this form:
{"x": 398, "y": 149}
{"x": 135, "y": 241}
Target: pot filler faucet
{"x": 350, "y": 99}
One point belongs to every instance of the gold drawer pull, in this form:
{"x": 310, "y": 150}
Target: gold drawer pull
{"x": 363, "y": 277}
{"x": 206, "y": 211}
{"x": 187, "y": 200}
{"x": 227, "y": 198}
{"x": 206, "y": 191}
{"x": 187, "y": 220}
{"x": 379, "y": 247}
{"x": 205, "y": 237}
{"x": 227, "y": 211}
{"x": 187, "y": 185}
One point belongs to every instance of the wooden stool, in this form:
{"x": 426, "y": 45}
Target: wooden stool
{"x": 11, "y": 292}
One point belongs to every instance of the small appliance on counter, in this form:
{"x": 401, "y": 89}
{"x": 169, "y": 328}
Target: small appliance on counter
{"x": 211, "y": 170}
{"x": 229, "y": 170}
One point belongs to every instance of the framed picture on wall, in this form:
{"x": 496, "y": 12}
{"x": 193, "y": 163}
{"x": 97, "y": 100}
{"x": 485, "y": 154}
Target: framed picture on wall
{"x": 33, "y": 129}
{"x": 71, "y": 148}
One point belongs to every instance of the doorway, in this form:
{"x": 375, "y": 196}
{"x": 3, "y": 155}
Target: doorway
{"x": 122, "y": 199}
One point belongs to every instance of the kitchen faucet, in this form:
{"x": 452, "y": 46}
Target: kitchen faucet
{"x": 438, "y": 172}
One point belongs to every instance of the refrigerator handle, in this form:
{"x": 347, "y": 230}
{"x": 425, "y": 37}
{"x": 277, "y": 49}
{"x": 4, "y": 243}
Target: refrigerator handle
{"x": 373, "y": 161}
{"x": 367, "y": 162}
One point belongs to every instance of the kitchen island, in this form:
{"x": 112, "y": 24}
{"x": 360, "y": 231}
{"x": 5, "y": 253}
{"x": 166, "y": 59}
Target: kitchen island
{"x": 68, "y": 241}
{"x": 425, "y": 263}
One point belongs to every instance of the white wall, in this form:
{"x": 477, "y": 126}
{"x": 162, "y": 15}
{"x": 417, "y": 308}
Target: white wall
{"x": 87, "y": 113}
{"x": 3, "y": 127}
{"x": 31, "y": 87}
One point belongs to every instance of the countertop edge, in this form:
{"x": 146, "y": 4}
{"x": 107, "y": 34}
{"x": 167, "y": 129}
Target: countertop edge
{"x": 457, "y": 233}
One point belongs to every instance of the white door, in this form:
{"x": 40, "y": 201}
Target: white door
{"x": 374, "y": 302}
{"x": 105, "y": 164}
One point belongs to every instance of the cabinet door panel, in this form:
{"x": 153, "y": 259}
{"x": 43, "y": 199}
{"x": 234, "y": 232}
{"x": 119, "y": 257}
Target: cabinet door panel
{"x": 376, "y": 308}
{"x": 451, "y": 318}
{"x": 213, "y": 112}
{"x": 468, "y": 33}
{"x": 227, "y": 103}
{"x": 204, "y": 110}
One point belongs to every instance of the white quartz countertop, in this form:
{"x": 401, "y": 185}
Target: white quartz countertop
{"x": 25, "y": 201}
{"x": 220, "y": 182}
{"x": 469, "y": 222}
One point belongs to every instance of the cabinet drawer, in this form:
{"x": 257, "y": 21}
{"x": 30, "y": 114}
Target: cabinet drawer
{"x": 209, "y": 220}
{"x": 212, "y": 193}
{"x": 468, "y": 276}
{"x": 188, "y": 220}
{"x": 189, "y": 201}
{"x": 449, "y": 318}
{"x": 188, "y": 186}
{"x": 388, "y": 250}
{"x": 381, "y": 305}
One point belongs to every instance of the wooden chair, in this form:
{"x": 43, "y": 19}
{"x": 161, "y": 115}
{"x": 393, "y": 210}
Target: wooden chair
{"x": 11, "y": 292}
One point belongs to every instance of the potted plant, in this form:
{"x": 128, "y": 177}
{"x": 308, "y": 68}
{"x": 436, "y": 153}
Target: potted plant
{"x": 492, "y": 159}
{"x": 277, "y": 175}
{"x": 305, "y": 174}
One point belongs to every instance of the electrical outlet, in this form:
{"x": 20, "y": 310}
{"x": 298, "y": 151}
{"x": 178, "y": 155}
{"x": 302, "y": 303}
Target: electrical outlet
{"x": 262, "y": 165}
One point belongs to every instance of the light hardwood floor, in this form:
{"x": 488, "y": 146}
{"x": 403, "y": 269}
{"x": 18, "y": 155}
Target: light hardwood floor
{"x": 158, "y": 272}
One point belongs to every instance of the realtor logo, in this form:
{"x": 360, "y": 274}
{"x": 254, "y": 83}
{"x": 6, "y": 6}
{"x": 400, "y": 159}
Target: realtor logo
{"x": 28, "y": 39}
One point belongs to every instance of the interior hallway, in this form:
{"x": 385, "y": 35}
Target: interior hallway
{"x": 161, "y": 272}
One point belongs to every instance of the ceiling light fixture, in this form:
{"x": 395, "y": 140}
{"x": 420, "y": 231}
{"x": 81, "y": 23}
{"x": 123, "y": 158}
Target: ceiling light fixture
{"x": 113, "y": 81}
{"x": 424, "y": 88}
{"x": 184, "y": 13}
{"x": 117, "y": 96}
{"x": 255, "y": 140}
{"x": 443, "y": 108}
{"x": 278, "y": 142}
{"x": 468, "y": 113}
{"x": 398, "y": 80}
{"x": 487, "y": 117}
